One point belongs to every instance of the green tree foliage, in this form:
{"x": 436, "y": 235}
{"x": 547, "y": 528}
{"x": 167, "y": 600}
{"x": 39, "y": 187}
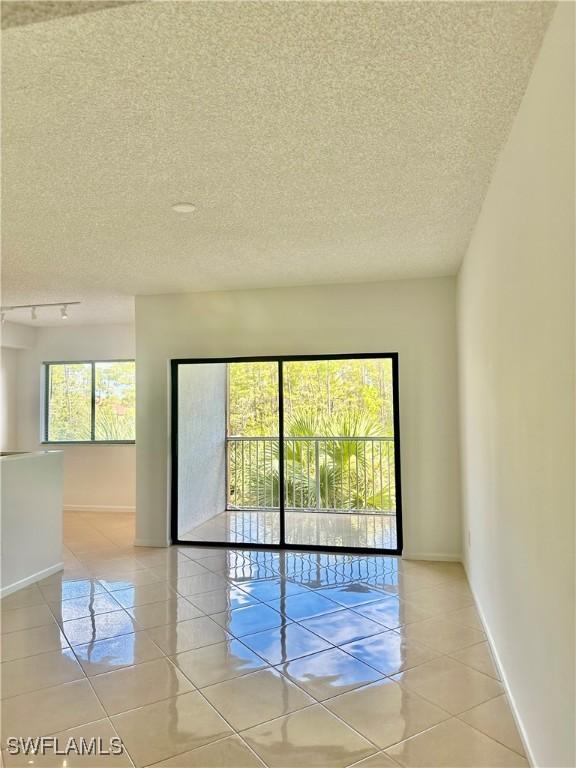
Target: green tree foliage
{"x": 325, "y": 389}
{"x": 336, "y": 400}
{"x": 253, "y": 399}
{"x": 115, "y": 401}
{"x": 69, "y": 391}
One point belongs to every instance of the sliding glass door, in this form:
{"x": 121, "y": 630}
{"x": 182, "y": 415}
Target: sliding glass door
{"x": 227, "y": 444}
{"x": 339, "y": 458}
{"x": 294, "y": 452}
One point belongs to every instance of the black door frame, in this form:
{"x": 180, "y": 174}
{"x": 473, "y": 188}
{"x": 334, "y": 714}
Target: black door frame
{"x": 280, "y": 359}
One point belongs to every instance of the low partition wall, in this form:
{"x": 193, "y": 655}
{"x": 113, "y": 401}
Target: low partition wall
{"x": 31, "y": 518}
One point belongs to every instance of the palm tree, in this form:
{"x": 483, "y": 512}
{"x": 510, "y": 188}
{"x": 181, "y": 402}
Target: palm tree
{"x": 333, "y": 472}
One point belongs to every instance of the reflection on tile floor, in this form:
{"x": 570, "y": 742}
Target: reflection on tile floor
{"x": 323, "y": 529}
{"x": 203, "y": 657}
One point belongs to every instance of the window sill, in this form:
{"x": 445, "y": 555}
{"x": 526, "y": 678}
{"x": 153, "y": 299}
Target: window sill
{"x": 88, "y": 442}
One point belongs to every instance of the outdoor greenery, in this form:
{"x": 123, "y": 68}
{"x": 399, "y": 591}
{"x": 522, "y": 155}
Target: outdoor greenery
{"x": 322, "y": 392}
{"x": 69, "y": 394}
{"x": 335, "y": 400}
{"x": 115, "y": 401}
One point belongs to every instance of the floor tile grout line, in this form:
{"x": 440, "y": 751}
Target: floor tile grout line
{"x": 431, "y": 648}
{"x": 479, "y": 730}
{"x": 360, "y": 688}
{"x": 367, "y": 637}
{"x": 466, "y": 666}
{"x": 36, "y": 626}
{"x": 422, "y": 696}
{"x": 45, "y": 687}
{"x": 228, "y": 723}
{"x": 124, "y": 747}
{"x": 115, "y": 637}
{"x": 452, "y": 717}
{"x": 450, "y": 655}
{"x": 209, "y": 744}
{"x": 39, "y": 653}
{"x": 416, "y": 735}
{"x": 148, "y": 703}
{"x": 88, "y": 616}
{"x": 358, "y": 763}
{"x": 314, "y": 703}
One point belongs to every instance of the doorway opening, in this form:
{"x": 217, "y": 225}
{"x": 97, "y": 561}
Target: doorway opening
{"x": 299, "y": 452}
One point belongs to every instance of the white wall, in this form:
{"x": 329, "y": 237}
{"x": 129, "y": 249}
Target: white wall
{"x": 16, "y": 336}
{"x": 102, "y": 477}
{"x": 516, "y": 349}
{"x": 8, "y": 398}
{"x": 413, "y": 317}
{"x": 201, "y": 444}
{"x": 13, "y": 339}
{"x": 31, "y": 505}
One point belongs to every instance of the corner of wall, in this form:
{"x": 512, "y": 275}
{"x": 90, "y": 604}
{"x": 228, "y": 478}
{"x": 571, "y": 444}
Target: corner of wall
{"x": 17, "y": 336}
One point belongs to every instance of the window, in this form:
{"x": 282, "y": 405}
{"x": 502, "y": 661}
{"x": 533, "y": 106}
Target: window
{"x": 90, "y": 402}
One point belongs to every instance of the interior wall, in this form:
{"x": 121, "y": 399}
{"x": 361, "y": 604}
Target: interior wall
{"x": 13, "y": 338}
{"x": 17, "y": 336}
{"x": 415, "y": 318}
{"x": 516, "y": 350}
{"x": 8, "y": 398}
{"x": 98, "y": 477}
{"x": 202, "y": 394}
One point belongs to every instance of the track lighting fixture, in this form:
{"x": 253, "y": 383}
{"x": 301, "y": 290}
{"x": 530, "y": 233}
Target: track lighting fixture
{"x": 35, "y": 307}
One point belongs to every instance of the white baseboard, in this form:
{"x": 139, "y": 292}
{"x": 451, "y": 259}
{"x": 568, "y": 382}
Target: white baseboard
{"x": 96, "y": 508}
{"x": 432, "y": 556}
{"x": 504, "y": 678}
{"x": 31, "y": 579}
{"x": 150, "y": 543}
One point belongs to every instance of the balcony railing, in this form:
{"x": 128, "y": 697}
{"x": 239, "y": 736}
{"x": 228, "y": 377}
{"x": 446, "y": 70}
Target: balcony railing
{"x": 331, "y": 474}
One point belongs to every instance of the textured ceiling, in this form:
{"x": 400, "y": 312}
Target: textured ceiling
{"x": 16, "y": 13}
{"x": 321, "y": 143}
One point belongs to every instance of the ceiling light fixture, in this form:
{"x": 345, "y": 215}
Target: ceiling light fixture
{"x": 3, "y": 317}
{"x": 35, "y": 307}
{"x": 184, "y": 207}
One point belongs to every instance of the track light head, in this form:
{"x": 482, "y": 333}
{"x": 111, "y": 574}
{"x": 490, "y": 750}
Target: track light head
{"x": 33, "y": 314}
{"x": 64, "y": 312}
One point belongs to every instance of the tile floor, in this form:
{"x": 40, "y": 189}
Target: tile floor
{"x": 324, "y": 529}
{"x": 212, "y": 658}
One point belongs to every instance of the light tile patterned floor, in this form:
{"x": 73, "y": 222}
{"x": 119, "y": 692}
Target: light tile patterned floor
{"x": 238, "y": 659}
{"x": 317, "y": 528}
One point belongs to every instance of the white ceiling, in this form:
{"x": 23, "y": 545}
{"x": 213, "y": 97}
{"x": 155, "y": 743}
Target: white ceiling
{"x": 16, "y": 13}
{"x": 322, "y": 142}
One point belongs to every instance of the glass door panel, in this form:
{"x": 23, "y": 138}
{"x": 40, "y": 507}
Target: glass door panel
{"x": 228, "y": 481}
{"x": 339, "y": 455}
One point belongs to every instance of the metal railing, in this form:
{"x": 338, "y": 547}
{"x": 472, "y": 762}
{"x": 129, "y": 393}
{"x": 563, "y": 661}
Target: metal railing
{"x": 336, "y": 474}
